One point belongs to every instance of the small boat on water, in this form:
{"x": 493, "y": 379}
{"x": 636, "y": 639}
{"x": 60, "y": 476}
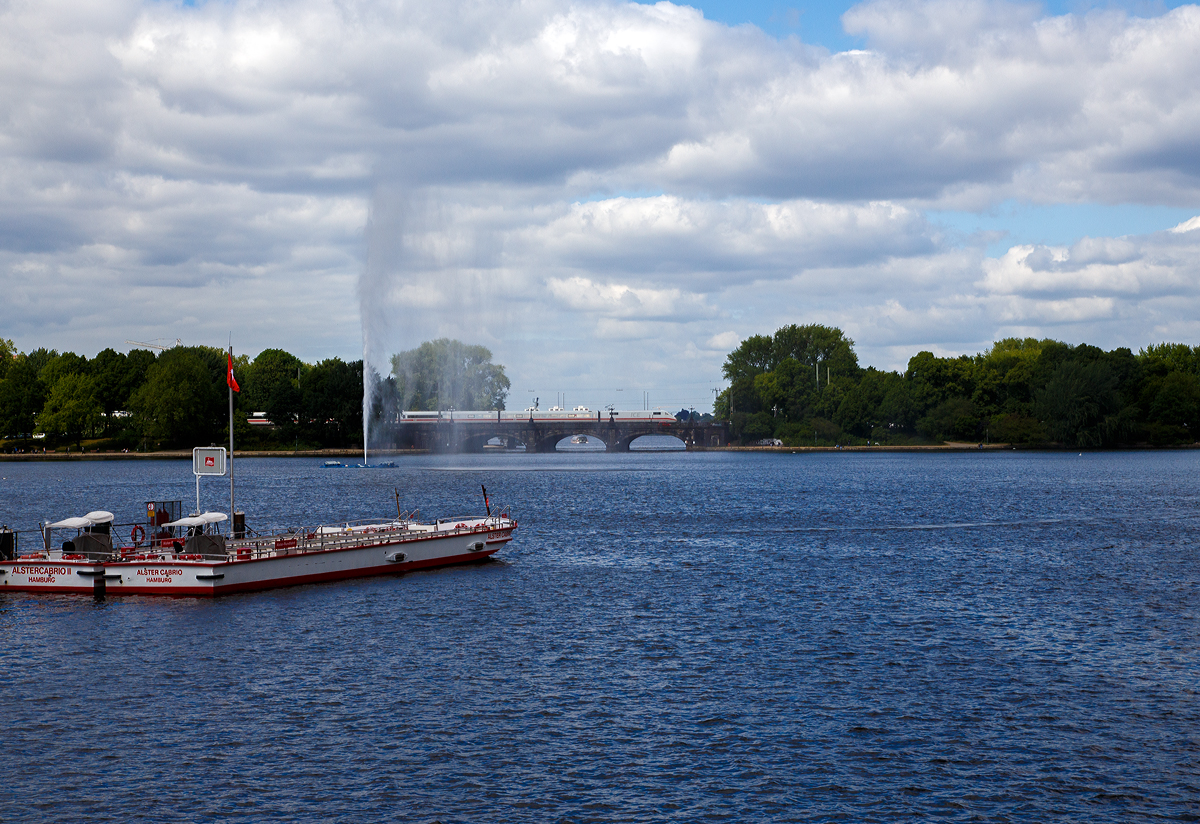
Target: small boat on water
{"x": 191, "y": 556}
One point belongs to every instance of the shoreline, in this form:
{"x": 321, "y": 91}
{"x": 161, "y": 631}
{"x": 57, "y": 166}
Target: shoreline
{"x": 178, "y": 454}
{"x": 186, "y": 454}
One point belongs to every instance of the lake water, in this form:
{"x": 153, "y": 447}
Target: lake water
{"x": 684, "y": 637}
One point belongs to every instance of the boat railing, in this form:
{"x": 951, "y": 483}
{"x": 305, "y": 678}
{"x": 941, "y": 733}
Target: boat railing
{"x": 30, "y": 544}
{"x": 353, "y": 534}
{"x": 80, "y": 543}
{"x": 13, "y": 543}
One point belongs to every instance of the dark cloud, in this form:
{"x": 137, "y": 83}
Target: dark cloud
{"x": 34, "y": 232}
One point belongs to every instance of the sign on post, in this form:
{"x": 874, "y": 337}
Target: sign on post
{"x": 208, "y": 460}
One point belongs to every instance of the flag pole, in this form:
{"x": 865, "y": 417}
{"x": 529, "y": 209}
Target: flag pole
{"x": 230, "y": 385}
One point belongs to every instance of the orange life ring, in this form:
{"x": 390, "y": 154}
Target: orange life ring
{"x": 137, "y": 535}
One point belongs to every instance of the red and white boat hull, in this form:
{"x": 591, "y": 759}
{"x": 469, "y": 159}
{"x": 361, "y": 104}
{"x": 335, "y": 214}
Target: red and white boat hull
{"x": 51, "y": 575}
{"x": 328, "y": 554}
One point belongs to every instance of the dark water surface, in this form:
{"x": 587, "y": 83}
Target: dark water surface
{"x": 695, "y": 637}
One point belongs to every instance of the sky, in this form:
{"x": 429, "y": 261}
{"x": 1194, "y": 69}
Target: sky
{"x": 609, "y": 196}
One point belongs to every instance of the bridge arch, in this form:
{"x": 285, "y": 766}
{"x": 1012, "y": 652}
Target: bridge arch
{"x": 594, "y": 443}
{"x": 622, "y": 440}
{"x": 664, "y": 442}
{"x": 475, "y": 441}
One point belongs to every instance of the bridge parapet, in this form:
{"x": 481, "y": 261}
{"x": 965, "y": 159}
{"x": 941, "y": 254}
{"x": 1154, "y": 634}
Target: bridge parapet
{"x": 544, "y": 436}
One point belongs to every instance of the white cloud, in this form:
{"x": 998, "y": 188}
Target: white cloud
{"x": 704, "y": 245}
{"x": 1131, "y": 266}
{"x": 619, "y": 300}
{"x": 1057, "y": 312}
{"x": 723, "y": 341}
{"x": 1187, "y": 226}
{"x": 542, "y": 175}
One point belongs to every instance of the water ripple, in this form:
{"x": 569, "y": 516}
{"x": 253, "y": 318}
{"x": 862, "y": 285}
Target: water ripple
{"x": 671, "y": 638}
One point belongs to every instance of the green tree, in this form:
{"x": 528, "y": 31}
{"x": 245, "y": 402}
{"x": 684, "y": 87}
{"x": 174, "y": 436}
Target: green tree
{"x": 751, "y": 358}
{"x": 137, "y": 369}
{"x": 1004, "y": 379}
{"x": 774, "y": 389}
{"x": 774, "y": 380}
{"x": 22, "y": 395}
{"x": 758, "y": 426}
{"x": 182, "y": 401}
{"x": 899, "y": 409}
{"x": 955, "y": 418}
{"x": 59, "y": 366}
{"x": 8, "y": 353}
{"x": 272, "y": 385}
{"x": 1080, "y": 404}
{"x": 862, "y": 408}
{"x": 117, "y": 377}
{"x": 1021, "y": 390}
{"x": 815, "y": 344}
{"x": 445, "y": 373}
{"x": 1011, "y": 427}
{"x": 807, "y": 345}
{"x": 1163, "y": 358}
{"x": 40, "y": 358}
{"x": 937, "y": 380}
{"x": 1173, "y": 408}
{"x": 108, "y": 370}
{"x": 332, "y": 397}
{"x": 72, "y": 409}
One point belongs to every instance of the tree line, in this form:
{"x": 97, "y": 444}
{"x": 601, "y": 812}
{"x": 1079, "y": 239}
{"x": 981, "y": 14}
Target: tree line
{"x": 178, "y": 397}
{"x": 803, "y": 385}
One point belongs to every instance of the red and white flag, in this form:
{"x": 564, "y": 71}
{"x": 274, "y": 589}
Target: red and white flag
{"x": 229, "y": 379}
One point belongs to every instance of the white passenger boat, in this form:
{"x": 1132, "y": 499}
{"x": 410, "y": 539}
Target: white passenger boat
{"x": 192, "y": 557}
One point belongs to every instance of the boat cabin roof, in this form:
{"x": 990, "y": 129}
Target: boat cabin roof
{"x": 191, "y": 520}
{"x": 98, "y": 516}
{"x": 199, "y": 520}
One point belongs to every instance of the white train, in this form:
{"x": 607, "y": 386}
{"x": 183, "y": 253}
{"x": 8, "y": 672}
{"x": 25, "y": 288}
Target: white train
{"x": 555, "y": 414}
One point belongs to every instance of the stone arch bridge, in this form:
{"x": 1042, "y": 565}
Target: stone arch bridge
{"x": 447, "y": 435}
